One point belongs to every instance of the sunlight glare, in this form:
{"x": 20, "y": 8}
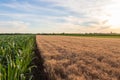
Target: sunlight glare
{"x": 114, "y": 14}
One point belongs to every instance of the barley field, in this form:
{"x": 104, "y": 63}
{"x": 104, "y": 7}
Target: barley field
{"x": 80, "y": 58}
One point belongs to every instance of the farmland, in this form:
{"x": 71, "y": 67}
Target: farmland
{"x": 16, "y": 54}
{"x": 59, "y": 57}
{"x": 80, "y": 58}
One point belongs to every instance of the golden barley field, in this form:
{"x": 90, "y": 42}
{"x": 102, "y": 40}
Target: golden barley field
{"x": 80, "y": 58}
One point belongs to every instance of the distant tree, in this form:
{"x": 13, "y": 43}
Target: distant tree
{"x": 111, "y": 32}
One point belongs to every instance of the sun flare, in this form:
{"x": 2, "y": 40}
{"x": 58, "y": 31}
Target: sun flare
{"x": 114, "y": 14}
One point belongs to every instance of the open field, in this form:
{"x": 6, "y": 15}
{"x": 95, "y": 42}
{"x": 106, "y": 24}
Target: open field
{"x": 59, "y": 57}
{"x": 80, "y": 58}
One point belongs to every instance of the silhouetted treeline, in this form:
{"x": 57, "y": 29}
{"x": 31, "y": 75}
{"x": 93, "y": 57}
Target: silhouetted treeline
{"x": 67, "y": 34}
{"x": 16, "y": 33}
{"x": 82, "y": 34}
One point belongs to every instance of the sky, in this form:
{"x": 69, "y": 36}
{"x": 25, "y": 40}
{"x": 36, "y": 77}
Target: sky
{"x": 56, "y": 16}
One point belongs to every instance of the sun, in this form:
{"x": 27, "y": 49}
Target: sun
{"x": 114, "y": 14}
{"x": 114, "y": 20}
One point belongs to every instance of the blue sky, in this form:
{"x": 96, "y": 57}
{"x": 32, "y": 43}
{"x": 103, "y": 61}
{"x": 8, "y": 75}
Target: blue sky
{"x": 76, "y": 16}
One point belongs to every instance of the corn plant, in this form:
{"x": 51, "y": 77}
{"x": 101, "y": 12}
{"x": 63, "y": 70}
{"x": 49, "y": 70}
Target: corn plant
{"x": 16, "y": 54}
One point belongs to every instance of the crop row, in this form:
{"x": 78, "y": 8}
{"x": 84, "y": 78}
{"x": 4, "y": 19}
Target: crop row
{"x": 16, "y": 55}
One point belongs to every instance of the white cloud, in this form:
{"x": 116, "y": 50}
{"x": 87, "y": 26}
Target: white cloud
{"x": 76, "y": 16}
{"x": 13, "y": 26}
{"x": 28, "y": 7}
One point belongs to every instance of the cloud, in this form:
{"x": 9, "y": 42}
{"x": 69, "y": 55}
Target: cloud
{"x": 13, "y": 26}
{"x": 26, "y": 7}
{"x": 55, "y": 16}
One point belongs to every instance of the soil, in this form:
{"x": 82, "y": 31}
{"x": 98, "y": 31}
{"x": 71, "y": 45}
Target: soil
{"x": 78, "y": 58}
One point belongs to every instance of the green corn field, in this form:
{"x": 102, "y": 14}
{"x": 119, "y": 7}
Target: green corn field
{"x": 16, "y": 55}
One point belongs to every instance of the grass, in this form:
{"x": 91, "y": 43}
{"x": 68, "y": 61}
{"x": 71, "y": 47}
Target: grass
{"x": 16, "y": 54}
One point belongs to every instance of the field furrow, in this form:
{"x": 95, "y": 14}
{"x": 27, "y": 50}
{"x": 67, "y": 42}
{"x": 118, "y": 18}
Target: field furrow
{"x": 80, "y": 58}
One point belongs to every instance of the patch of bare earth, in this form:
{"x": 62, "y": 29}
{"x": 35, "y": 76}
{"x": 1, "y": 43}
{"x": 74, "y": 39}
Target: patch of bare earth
{"x": 80, "y": 58}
